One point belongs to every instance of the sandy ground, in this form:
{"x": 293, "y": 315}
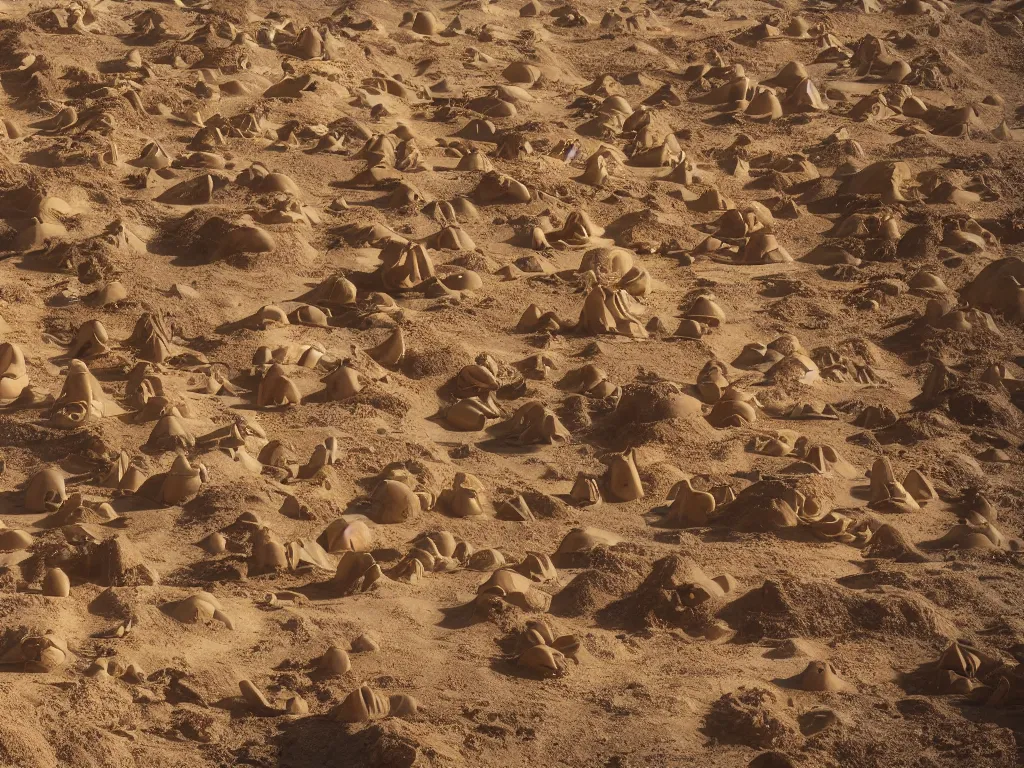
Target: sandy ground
{"x": 693, "y": 327}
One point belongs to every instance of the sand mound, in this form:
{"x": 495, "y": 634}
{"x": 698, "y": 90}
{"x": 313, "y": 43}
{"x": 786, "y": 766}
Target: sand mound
{"x": 824, "y": 610}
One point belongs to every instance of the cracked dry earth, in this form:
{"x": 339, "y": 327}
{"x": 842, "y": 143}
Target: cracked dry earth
{"x": 478, "y": 385}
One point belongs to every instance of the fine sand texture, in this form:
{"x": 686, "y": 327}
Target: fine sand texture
{"x": 485, "y": 385}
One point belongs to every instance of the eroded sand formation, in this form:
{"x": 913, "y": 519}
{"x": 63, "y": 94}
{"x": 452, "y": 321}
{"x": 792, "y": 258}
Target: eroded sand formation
{"x": 495, "y": 385}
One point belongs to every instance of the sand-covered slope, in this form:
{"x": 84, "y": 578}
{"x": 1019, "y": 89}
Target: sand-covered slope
{"x": 480, "y": 385}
